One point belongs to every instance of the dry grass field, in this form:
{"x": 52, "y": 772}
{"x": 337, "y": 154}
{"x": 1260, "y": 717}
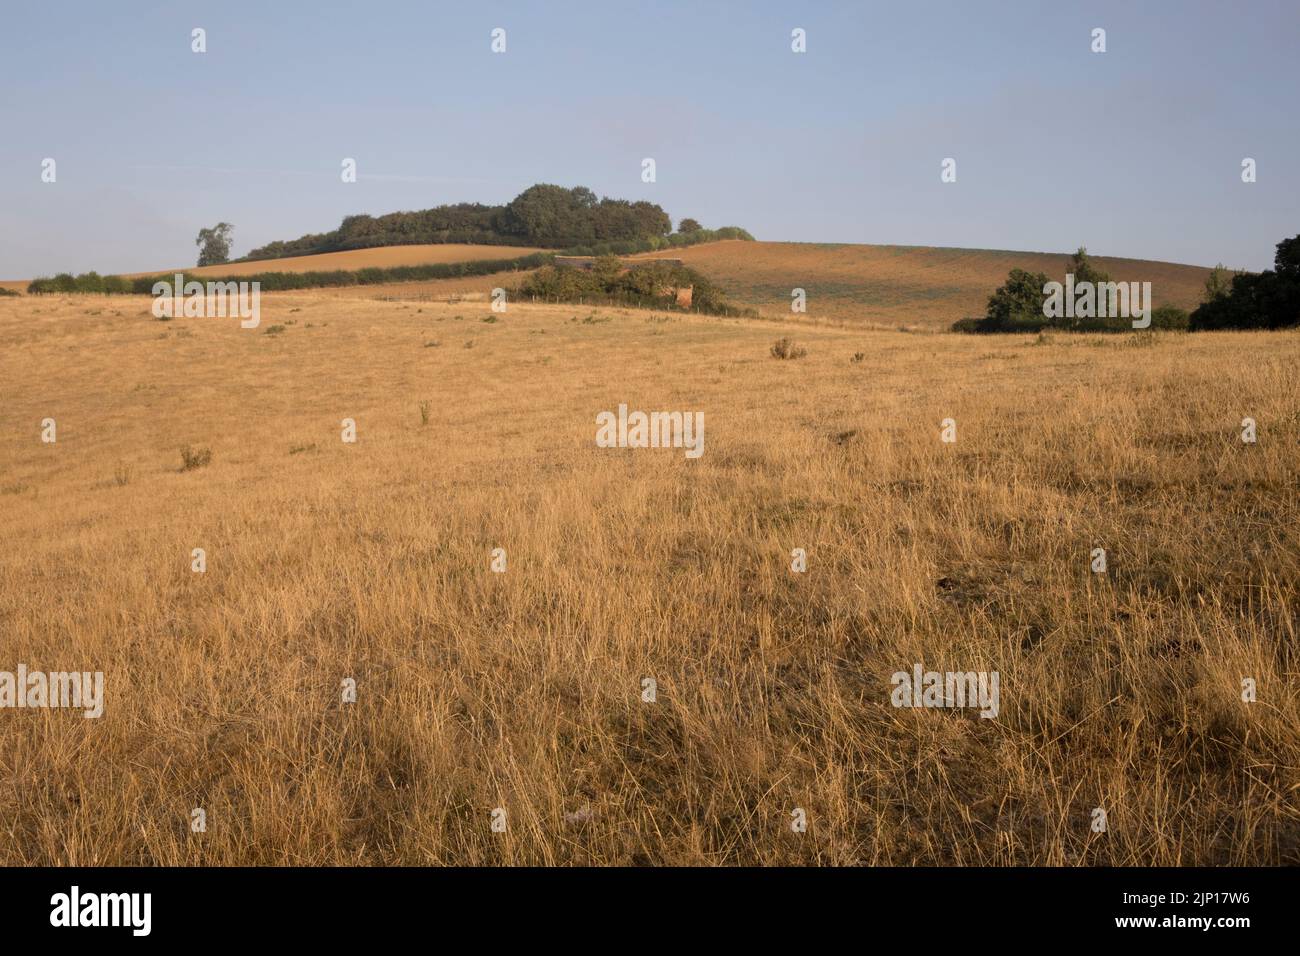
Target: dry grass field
{"x": 383, "y": 257}
{"x": 921, "y": 287}
{"x": 522, "y": 690}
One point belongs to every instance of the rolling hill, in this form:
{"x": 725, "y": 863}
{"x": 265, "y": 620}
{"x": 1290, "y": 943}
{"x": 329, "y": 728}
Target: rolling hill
{"x": 922, "y": 286}
{"x": 913, "y": 286}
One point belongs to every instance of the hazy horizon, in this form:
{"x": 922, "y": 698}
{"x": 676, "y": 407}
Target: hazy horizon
{"x": 1056, "y": 146}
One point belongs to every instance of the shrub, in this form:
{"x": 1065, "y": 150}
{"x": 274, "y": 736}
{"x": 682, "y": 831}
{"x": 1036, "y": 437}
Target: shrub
{"x": 647, "y": 285}
{"x": 192, "y": 458}
{"x": 784, "y": 348}
{"x": 1170, "y": 317}
{"x": 1017, "y": 305}
{"x": 90, "y": 282}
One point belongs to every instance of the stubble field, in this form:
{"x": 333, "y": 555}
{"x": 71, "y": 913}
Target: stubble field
{"x": 918, "y": 287}
{"x": 522, "y": 690}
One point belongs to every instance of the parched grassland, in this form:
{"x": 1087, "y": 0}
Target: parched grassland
{"x": 914, "y": 286}
{"x": 522, "y": 690}
{"x": 384, "y": 257}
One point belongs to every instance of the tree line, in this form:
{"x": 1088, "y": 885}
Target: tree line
{"x": 1245, "y": 300}
{"x": 280, "y": 281}
{"x": 544, "y": 215}
{"x": 1240, "y": 300}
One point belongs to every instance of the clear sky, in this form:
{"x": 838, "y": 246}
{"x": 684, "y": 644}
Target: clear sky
{"x": 1134, "y": 152}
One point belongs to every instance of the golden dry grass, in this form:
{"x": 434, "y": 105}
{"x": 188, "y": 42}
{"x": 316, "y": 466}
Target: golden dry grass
{"x": 383, "y": 257}
{"x": 521, "y": 690}
{"x": 380, "y": 257}
{"x": 916, "y": 286}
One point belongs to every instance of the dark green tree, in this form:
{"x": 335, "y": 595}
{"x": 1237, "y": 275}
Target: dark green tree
{"x": 1267, "y": 300}
{"x": 214, "y": 244}
{"x": 1080, "y": 264}
{"x": 1017, "y": 305}
{"x": 1219, "y": 284}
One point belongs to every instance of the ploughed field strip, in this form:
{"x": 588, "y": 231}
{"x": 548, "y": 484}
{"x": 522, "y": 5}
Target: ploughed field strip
{"x": 498, "y": 584}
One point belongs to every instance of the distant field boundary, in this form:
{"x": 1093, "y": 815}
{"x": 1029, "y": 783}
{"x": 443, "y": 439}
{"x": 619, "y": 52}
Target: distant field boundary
{"x": 93, "y": 283}
{"x": 285, "y": 281}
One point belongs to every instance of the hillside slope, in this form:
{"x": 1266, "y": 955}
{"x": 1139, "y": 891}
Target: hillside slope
{"x": 902, "y": 285}
{"x": 914, "y": 286}
{"x": 382, "y": 257}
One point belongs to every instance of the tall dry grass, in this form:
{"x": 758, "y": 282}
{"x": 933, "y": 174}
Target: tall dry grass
{"x": 522, "y": 690}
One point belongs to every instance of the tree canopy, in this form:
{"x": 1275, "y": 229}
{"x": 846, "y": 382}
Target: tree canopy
{"x": 214, "y": 244}
{"x": 545, "y": 215}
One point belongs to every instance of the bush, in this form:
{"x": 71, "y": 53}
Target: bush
{"x": 192, "y": 458}
{"x": 1017, "y": 305}
{"x": 606, "y": 282}
{"x": 90, "y": 282}
{"x": 1170, "y": 317}
{"x": 784, "y": 348}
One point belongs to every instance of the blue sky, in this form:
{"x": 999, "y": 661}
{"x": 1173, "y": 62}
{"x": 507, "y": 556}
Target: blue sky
{"x": 1134, "y": 152}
